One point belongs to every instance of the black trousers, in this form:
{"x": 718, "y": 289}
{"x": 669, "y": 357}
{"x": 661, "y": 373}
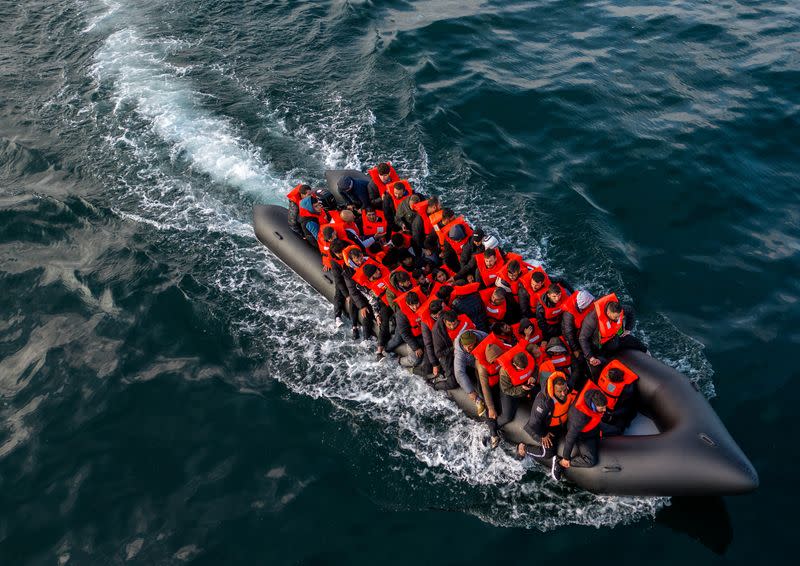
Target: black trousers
{"x": 339, "y": 302}
{"x": 507, "y": 406}
{"x": 386, "y": 313}
{"x": 584, "y": 453}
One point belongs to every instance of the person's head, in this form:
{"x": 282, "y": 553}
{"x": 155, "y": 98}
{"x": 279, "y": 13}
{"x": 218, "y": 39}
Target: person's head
{"x": 514, "y": 269}
{"x": 614, "y": 310}
{"x": 402, "y": 280}
{"x": 435, "y": 308}
{"x": 372, "y": 272}
{"x": 498, "y": 296}
{"x": 477, "y": 236}
{"x": 356, "y": 256}
{"x": 615, "y": 375}
{"x": 520, "y": 361}
{"x": 450, "y": 319}
{"x": 560, "y": 387}
{"x": 372, "y": 216}
{"x": 502, "y": 329}
{"x": 347, "y": 215}
{"x": 398, "y": 241}
{"x": 337, "y": 247}
{"x": 398, "y": 189}
{"x": 317, "y": 204}
{"x": 555, "y": 347}
{"x": 468, "y": 341}
{"x": 489, "y": 258}
{"x": 537, "y": 280}
{"x": 384, "y": 172}
{"x": 440, "y": 275}
{"x": 328, "y": 233}
{"x": 407, "y": 261}
{"x": 457, "y": 233}
{"x": 444, "y": 292}
{"x": 584, "y": 299}
{"x": 447, "y": 215}
{"x": 597, "y": 400}
{"x": 304, "y": 190}
{"x": 412, "y": 300}
{"x": 554, "y": 293}
{"x": 490, "y": 242}
{"x": 433, "y": 205}
{"x": 493, "y": 351}
{"x": 414, "y": 199}
{"x": 345, "y": 184}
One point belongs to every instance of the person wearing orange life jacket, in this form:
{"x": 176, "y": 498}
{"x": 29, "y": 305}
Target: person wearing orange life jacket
{"x": 429, "y": 313}
{"x": 397, "y": 252}
{"x": 453, "y": 236}
{"x": 527, "y": 329}
{"x": 577, "y": 307}
{"x": 312, "y": 216}
{"x": 377, "y": 280}
{"x": 405, "y": 213}
{"x": 606, "y": 330}
{"x": 518, "y": 377}
{"x": 464, "y": 299}
{"x": 550, "y": 309}
{"x": 510, "y": 275}
{"x": 295, "y": 196}
{"x": 373, "y": 224}
{"x": 535, "y": 283}
{"x": 344, "y": 222}
{"x": 548, "y": 418}
{"x": 325, "y": 237}
{"x": 465, "y": 366}
{"x": 396, "y": 194}
{"x": 475, "y": 245}
{"x": 620, "y": 385}
{"x": 362, "y": 313}
{"x": 487, "y": 265}
{"x": 341, "y": 294}
{"x": 380, "y": 177}
{"x": 499, "y": 407}
{"x": 409, "y": 330}
{"x": 422, "y": 222}
{"x": 500, "y": 305}
{"x": 557, "y": 357}
{"x": 579, "y": 449}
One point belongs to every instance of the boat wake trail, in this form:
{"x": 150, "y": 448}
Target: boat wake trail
{"x": 186, "y": 173}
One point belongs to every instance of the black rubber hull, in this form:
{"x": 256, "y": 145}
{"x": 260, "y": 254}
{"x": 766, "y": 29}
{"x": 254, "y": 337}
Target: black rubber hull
{"x": 690, "y": 453}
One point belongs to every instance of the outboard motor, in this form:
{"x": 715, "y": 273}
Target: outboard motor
{"x": 326, "y": 198}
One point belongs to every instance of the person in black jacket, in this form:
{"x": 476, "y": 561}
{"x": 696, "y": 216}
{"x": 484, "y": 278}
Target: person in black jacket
{"x": 538, "y": 425}
{"x": 443, "y": 351}
{"x": 347, "y": 297}
{"x": 354, "y": 192}
{"x": 589, "y": 337}
{"x": 432, "y": 364}
{"x": 294, "y": 211}
{"x": 583, "y": 301}
{"x": 617, "y": 420}
{"x": 583, "y": 442}
{"x": 418, "y": 235}
{"x": 403, "y": 334}
{"x": 469, "y": 304}
{"x": 473, "y": 247}
{"x": 398, "y": 189}
{"x": 360, "y": 308}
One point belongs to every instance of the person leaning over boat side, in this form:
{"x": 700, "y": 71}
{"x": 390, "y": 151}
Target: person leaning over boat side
{"x": 361, "y": 311}
{"x": 607, "y": 329}
{"x": 583, "y": 430}
{"x": 295, "y": 196}
{"x": 548, "y": 418}
{"x": 354, "y": 192}
{"x": 464, "y": 364}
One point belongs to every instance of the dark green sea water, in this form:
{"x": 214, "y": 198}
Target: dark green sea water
{"x": 170, "y": 393}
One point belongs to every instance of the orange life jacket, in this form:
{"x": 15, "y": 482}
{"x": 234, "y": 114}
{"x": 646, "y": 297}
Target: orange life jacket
{"x": 518, "y": 376}
{"x": 324, "y": 249}
{"x": 494, "y": 312}
{"x": 552, "y": 314}
{"x": 393, "y": 177}
{"x": 294, "y": 195}
{"x": 461, "y": 290}
{"x": 527, "y": 282}
{"x": 341, "y": 227}
{"x": 489, "y": 275}
{"x": 503, "y": 273}
{"x": 464, "y": 324}
{"x": 536, "y": 335}
{"x": 444, "y": 234}
{"x": 492, "y": 370}
{"x": 560, "y": 361}
{"x": 606, "y": 327}
{"x": 413, "y": 316}
{"x": 421, "y": 208}
{"x": 373, "y": 228}
{"x": 571, "y": 306}
{"x": 322, "y": 218}
{"x": 613, "y": 391}
{"x": 346, "y": 254}
{"x": 424, "y": 310}
{"x": 409, "y": 191}
{"x": 560, "y": 410}
{"x": 361, "y": 278}
{"x": 583, "y": 407}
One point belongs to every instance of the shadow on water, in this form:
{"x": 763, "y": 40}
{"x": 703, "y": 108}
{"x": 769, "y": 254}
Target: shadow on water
{"x": 705, "y": 519}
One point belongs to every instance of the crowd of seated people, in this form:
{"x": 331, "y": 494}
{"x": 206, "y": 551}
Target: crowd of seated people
{"x": 409, "y": 271}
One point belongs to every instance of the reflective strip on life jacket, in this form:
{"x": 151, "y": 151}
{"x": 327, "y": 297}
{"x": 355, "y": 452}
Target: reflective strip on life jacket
{"x": 606, "y": 327}
{"x": 495, "y": 312}
{"x": 536, "y": 335}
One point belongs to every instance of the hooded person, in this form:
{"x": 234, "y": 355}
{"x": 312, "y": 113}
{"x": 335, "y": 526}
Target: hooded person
{"x": 311, "y": 216}
{"x": 354, "y": 191}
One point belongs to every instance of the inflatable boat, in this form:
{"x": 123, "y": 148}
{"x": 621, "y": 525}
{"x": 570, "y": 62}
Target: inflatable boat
{"x": 677, "y": 445}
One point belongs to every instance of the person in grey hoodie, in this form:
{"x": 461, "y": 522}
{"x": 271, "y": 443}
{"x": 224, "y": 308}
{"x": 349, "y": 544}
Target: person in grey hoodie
{"x": 464, "y": 365}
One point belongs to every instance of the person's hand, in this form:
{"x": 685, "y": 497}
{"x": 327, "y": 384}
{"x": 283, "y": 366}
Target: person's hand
{"x": 364, "y": 312}
{"x": 564, "y": 463}
{"x": 418, "y": 352}
{"x": 547, "y": 440}
{"x": 594, "y": 361}
{"x": 577, "y": 354}
{"x": 436, "y": 370}
{"x": 492, "y": 414}
{"x": 625, "y": 333}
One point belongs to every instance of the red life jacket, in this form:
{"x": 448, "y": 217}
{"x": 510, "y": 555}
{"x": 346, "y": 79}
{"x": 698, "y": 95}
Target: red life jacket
{"x": 494, "y": 312}
{"x": 421, "y": 208}
{"x": 409, "y": 191}
{"x": 613, "y": 391}
{"x": 324, "y": 249}
{"x": 489, "y": 276}
{"x": 527, "y": 282}
{"x": 535, "y": 337}
{"x": 294, "y": 195}
{"x": 464, "y": 324}
{"x": 322, "y": 218}
{"x": 492, "y": 370}
{"x": 583, "y": 407}
{"x": 503, "y": 273}
{"x": 552, "y": 314}
{"x": 361, "y": 278}
{"x": 571, "y": 306}
{"x": 413, "y": 316}
{"x": 560, "y": 361}
{"x": 560, "y": 410}
{"x": 341, "y": 227}
{"x": 444, "y": 234}
{"x": 606, "y": 327}
{"x": 393, "y": 177}
{"x": 424, "y": 310}
{"x": 461, "y": 290}
{"x": 518, "y": 376}
{"x": 373, "y": 228}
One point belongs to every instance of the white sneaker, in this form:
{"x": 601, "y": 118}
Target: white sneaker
{"x": 555, "y": 469}
{"x": 338, "y": 321}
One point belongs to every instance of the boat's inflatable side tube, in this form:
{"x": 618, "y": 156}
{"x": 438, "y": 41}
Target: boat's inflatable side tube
{"x": 692, "y": 455}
